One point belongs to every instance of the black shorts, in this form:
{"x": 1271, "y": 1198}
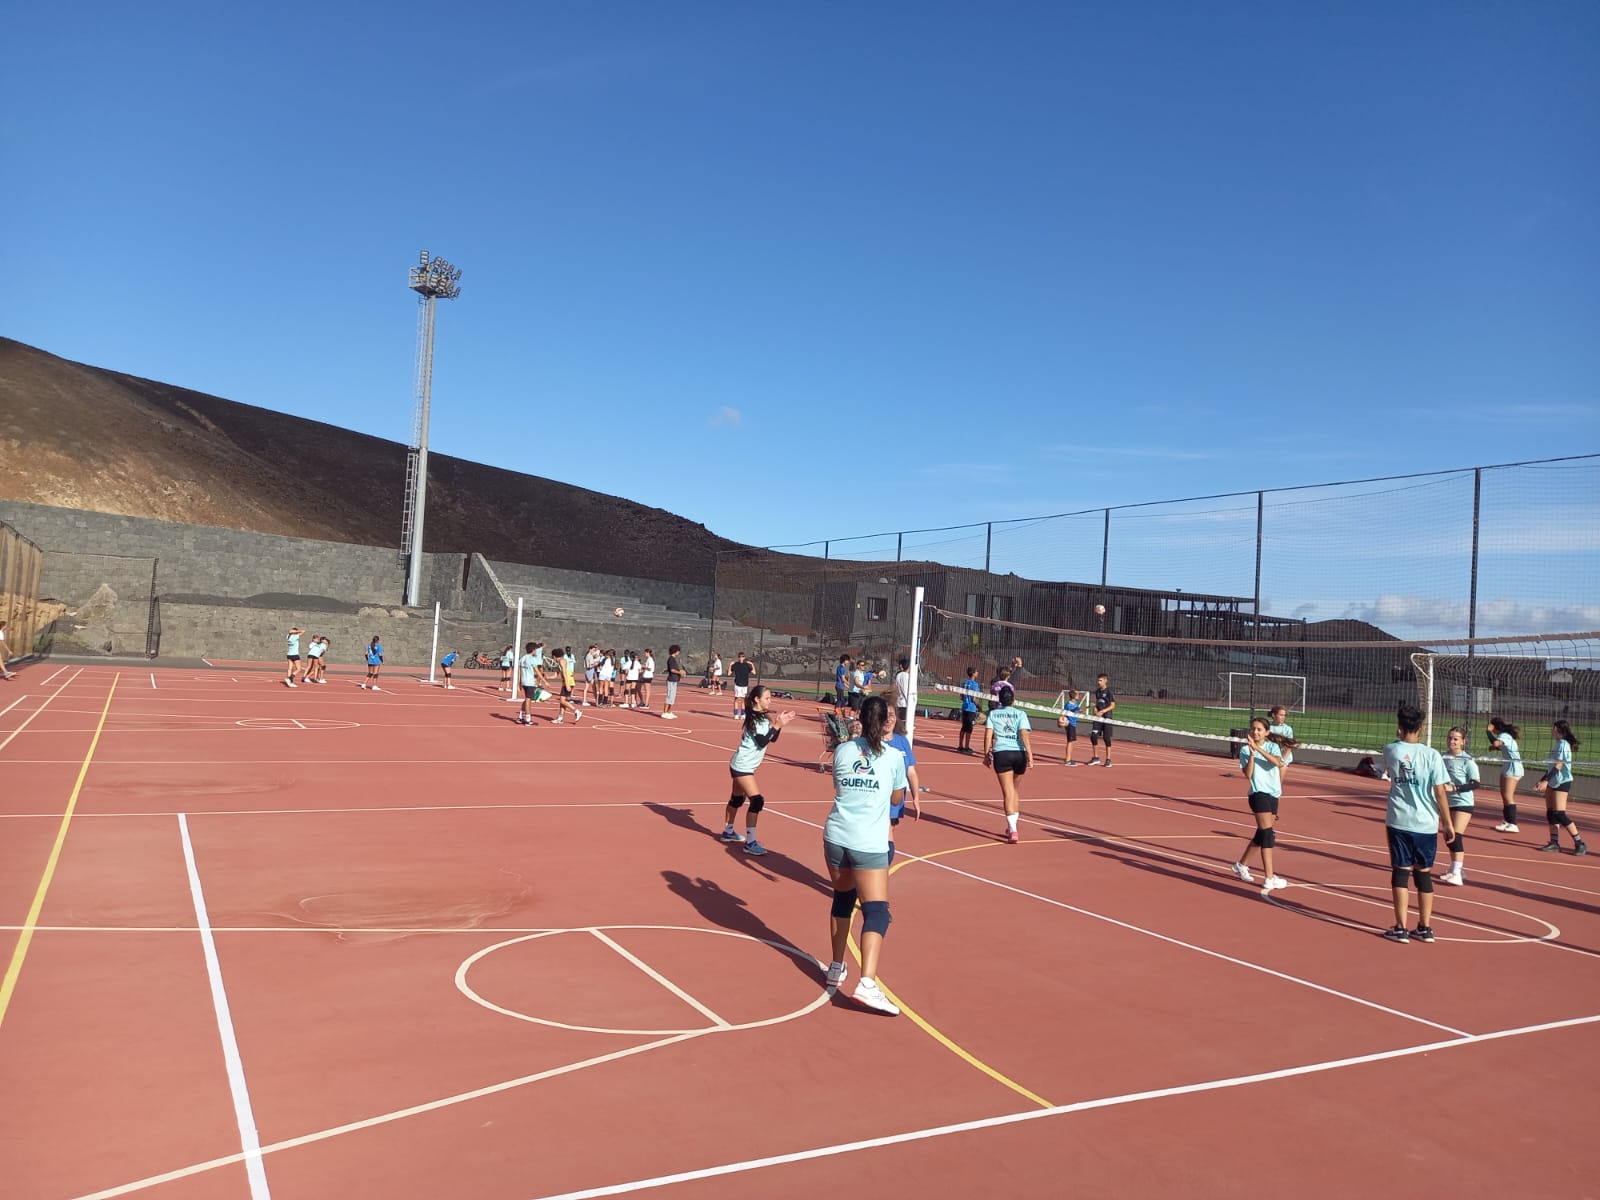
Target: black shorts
{"x": 853, "y": 701}
{"x": 1263, "y": 802}
{"x": 968, "y": 720}
{"x": 294, "y": 658}
{"x": 1014, "y": 761}
{"x": 1101, "y": 731}
{"x": 528, "y": 689}
{"x": 732, "y": 774}
{"x": 839, "y": 696}
{"x": 1072, "y": 734}
{"x": 1412, "y": 849}
{"x": 566, "y": 693}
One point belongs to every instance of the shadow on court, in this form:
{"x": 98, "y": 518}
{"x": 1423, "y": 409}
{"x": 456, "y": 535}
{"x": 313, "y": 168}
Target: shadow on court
{"x": 727, "y": 911}
{"x": 772, "y": 865}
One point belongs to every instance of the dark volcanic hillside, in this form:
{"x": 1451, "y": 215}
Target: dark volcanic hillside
{"x": 84, "y": 437}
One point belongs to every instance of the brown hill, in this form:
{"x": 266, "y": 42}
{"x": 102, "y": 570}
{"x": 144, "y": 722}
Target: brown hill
{"x": 85, "y": 437}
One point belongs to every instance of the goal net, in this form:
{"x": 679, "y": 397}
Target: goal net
{"x": 1254, "y": 692}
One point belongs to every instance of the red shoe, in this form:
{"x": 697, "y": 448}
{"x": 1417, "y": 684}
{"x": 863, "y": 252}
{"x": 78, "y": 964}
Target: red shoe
{"x": 1013, "y": 837}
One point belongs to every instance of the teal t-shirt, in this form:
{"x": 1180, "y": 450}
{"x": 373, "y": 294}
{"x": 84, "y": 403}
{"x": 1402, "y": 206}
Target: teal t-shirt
{"x": 1414, "y": 771}
{"x": 864, "y": 785}
{"x": 1264, "y": 776}
{"x": 1560, "y": 764}
{"x": 1007, "y": 725}
{"x": 753, "y": 746}
{"x": 1513, "y": 752}
{"x": 1463, "y": 772}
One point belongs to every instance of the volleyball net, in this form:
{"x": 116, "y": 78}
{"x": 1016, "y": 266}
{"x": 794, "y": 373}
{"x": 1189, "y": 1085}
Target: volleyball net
{"x": 1340, "y": 697}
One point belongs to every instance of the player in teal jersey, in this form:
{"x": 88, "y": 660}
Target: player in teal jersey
{"x": 1557, "y": 787}
{"x": 1007, "y": 748}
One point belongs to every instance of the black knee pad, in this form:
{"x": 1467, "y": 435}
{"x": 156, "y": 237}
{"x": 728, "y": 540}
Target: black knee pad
{"x": 1257, "y": 839}
{"x": 1399, "y": 877}
{"x": 757, "y": 803}
{"x": 844, "y": 903}
{"x": 1424, "y": 879}
{"x": 1459, "y": 845}
{"x": 1552, "y": 816}
{"x": 1269, "y": 838}
{"x": 875, "y": 917}
{"x": 1563, "y": 820}
{"x": 736, "y": 802}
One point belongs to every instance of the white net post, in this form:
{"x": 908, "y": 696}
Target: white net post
{"x": 1422, "y": 664}
{"x": 916, "y": 665}
{"x": 516, "y": 656}
{"x": 433, "y": 658}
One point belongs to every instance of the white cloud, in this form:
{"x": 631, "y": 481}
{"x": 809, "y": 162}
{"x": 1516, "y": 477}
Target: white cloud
{"x": 1496, "y": 618}
{"x": 727, "y": 416}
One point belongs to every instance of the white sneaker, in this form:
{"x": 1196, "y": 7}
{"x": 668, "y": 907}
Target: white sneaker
{"x": 288, "y": 683}
{"x": 1274, "y": 883}
{"x": 576, "y": 716}
{"x": 1453, "y": 878}
{"x": 867, "y": 993}
{"x": 836, "y": 975}
{"x": 669, "y": 716}
{"x": 449, "y": 687}
{"x": 559, "y": 721}
{"x": 1242, "y": 873}
{"x": 1506, "y": 827}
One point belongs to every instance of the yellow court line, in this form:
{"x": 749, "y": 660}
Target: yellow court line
{"x": 927, "y": 1027}
{"x": 25, "y": 938}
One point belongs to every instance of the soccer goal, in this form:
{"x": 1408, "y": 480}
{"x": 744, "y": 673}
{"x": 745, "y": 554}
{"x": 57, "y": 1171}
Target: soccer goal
{"x": 1243, "y": 690}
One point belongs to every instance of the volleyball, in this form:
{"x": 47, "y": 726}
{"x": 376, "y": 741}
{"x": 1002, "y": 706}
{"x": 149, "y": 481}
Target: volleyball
{"x": 1099, "y": 610}
{"x": 616, "y": 612}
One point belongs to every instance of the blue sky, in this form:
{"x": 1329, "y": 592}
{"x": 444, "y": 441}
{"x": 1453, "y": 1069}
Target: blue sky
{"x": 969, "y": 262}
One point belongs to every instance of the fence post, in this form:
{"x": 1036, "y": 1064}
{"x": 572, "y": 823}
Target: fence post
{"x": 988, "y": 545}
{"x": 1255, "y": 618}
{"x": 716, "y": 586}
{"x": 1472, "y": 601}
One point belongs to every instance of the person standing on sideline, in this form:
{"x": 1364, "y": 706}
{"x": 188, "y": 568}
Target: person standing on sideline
{"x": 1261, "y": 762}
{"x": 1419, "y": 810}
{"x": 902, "y": 691}
{"x": 1557, "y": 787}
{"x": 374, "y": 664}
{"x": 316, "y": 665}
{"x": 445, "y": 663}
{"x": 741, "y": 670}
{"x": 674, "y": 678}
{"x": 1007, "y": 749}
{"x": 564, "y": 678}
{"x": 760, "y": 731}
{"x": 5, "y": 671}
{"x": 1504, "y": 736}
{"x": 868, "y": 777}
{"x": 1462, "y": 769}
{"x": 716, "y": 673}
{"x": 1103, "y": 702}
{"x": 647, "y": 677}
{"x": 293, "y": 655}
{"x": 841, "y": 686}
{"x": 531, "y": 666}
{"x": 1068, "y": 720}
{"x": 970, "y": 691}
{"x": 508, "y": 660}
{"x": 591, "y": 665}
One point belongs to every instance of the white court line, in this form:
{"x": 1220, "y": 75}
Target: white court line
{"x": 1040, "y": 1114}
{"x": 249, "y": 1138}
{"x": 153, "y": 687}
{"x": 662, "y": 980}
{"x": 13, "y": 704}
{"x": 53, "y": 674}
{"x": 1162, "y": 937}
{"x": 322, "y": 1135}
{"x": 42, "y": 706}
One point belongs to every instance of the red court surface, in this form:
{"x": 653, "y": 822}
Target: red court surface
{"x": 326, "y": 942}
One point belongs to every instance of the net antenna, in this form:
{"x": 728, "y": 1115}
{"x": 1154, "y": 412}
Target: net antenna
{"x": 432, "y": 279}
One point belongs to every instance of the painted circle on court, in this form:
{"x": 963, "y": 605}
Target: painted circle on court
{"x": 710, "y": 1026}
{"x": 1493, "y": 937}
{"x": 301, "y": 724}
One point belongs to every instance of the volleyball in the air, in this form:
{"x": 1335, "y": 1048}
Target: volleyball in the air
{"x": 1099, "y": 610}
{"x": 616, "y": 612}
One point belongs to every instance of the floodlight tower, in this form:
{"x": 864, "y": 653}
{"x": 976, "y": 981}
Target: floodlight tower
{"x": 433, "y": 279}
